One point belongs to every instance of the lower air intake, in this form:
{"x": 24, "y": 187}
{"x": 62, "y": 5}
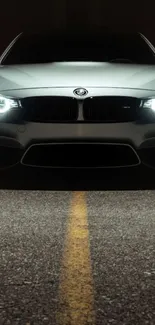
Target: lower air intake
{"x": 80, "y": 155}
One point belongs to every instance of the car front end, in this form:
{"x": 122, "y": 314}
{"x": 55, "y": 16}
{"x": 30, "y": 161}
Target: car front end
{"x": 87, "y": 114}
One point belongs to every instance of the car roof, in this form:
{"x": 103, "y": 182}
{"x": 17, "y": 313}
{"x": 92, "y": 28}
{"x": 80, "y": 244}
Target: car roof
{"x": 80, "y": 34}
{"x": 75, "y": 36}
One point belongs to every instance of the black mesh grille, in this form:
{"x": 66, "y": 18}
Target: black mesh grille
{"x": 50, "y": 109}
{"x": 111, "y": 109}
{"x": 104, "y": 109}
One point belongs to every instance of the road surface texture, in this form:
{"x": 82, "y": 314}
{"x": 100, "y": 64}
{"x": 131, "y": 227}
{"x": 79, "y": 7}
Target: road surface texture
{"x": 77, "y": 248}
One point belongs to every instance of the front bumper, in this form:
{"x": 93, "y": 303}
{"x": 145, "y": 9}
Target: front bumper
{"x": 16, "y": 139}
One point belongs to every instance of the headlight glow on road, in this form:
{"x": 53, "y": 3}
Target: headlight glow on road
{"x": 6, "y": 104}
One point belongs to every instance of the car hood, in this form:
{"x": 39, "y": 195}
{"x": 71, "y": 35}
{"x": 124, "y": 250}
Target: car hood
{"x": 77, "y": 74}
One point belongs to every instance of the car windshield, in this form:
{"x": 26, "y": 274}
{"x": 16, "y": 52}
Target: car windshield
{"x": 45, "y": 48}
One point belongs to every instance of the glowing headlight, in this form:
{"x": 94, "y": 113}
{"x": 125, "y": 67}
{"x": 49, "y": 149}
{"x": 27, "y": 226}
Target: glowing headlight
{"x": 149, "y": 104}
{"x": 6, "y": 104}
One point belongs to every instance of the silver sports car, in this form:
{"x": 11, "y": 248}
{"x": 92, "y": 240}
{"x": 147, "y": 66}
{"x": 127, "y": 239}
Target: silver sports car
{"x": 77, "y": 101}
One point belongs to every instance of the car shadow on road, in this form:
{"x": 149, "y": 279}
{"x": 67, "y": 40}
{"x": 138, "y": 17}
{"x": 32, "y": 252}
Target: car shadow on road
{"x": 21, "y": 178}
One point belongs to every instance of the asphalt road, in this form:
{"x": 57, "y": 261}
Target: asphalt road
{"x": 77, "y": 248}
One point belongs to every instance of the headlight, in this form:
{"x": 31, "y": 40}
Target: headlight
{"x": 6, "y": 104}
{"x": 149, "y": 104}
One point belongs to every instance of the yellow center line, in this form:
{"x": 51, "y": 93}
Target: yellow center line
{"x": 76, "y": 299}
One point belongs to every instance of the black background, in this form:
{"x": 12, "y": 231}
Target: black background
{"x": 17, "y": 16}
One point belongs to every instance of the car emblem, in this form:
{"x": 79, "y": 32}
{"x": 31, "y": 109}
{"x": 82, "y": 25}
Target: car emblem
{"x": 80, "y": 92}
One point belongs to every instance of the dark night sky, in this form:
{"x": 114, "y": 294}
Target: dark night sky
{"x": 17, "y": 16}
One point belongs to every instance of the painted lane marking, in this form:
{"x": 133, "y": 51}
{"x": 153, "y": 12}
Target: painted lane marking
{"x": 76, "y": 299}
